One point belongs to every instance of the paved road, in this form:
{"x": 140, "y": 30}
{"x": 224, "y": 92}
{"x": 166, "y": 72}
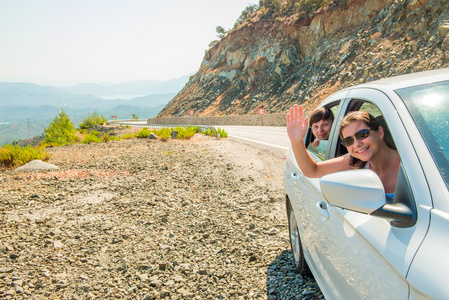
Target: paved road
{"x": 271, "y": 138}
{"x": 267, "y": 135}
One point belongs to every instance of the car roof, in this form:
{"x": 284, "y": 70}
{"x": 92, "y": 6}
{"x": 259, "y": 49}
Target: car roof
{"x": 407, "y": 80}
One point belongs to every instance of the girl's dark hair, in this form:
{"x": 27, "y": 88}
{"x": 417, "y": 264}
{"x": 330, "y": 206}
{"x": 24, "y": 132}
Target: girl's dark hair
{"x": 322, "y": 113}
{"x": 372, "y": 123}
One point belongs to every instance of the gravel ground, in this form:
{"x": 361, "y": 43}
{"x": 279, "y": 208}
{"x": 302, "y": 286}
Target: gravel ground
{"x": 142, "y": 219}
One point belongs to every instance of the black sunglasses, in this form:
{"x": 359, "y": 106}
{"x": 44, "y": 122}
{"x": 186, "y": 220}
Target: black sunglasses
{"x": 359, "y": 135}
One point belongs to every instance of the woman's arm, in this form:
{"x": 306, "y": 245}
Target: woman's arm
{"x": 297, "y": 127}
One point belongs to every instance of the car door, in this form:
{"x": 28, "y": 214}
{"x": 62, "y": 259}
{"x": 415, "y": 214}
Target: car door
{"x": 305, "y": 194}
{"x": 366, "y": 257}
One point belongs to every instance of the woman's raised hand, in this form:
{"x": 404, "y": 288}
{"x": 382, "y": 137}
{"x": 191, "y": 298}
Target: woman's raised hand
{"x": 297, "y": 125}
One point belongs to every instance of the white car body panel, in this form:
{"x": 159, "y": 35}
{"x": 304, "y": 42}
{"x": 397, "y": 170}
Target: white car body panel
{"x": 430, "y": 269}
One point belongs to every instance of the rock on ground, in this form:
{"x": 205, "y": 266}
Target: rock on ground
{"x": 36, "y": 166}
{"x": 143, "y": 219}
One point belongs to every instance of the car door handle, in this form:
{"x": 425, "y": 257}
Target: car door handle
{"x": 294, "y": 176}
{"x": 322, "y": 207}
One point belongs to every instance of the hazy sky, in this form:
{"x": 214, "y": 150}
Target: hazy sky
{"x": 71, "y": 41}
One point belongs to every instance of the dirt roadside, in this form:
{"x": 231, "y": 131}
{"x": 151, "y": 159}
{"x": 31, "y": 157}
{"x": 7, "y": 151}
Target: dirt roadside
{"x": 142, "y": 219}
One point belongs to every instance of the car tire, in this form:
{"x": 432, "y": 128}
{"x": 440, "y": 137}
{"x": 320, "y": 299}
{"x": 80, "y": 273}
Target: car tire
{"x": 295, "y": 242}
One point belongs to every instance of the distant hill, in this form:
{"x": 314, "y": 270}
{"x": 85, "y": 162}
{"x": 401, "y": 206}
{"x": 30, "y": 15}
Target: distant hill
{"x": 29, "y": 94}
{"x": 26, "y": 108}
{"x": 147, "y": 87}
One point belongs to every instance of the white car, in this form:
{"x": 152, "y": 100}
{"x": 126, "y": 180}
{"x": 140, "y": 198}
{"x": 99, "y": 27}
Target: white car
{"x": 356, "y": 243}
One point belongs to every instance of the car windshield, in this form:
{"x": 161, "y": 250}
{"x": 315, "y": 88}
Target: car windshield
{"x": 429, "y": 107}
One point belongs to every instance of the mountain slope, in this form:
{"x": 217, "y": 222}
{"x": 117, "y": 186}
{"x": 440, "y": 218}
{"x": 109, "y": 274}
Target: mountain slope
{"x": 144, "y": 87}
{"x": 273, "y": 61}
{"x": 25, "y": 108}
{"x": 29, "y": 94}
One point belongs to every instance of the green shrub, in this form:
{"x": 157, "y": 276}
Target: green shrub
{"x": 7, "y": 156}
{"x": 222, "y": 132}
{"x": 91, "y": 120}
{"x": 128, "y": 136}
{"x": 164, "y": 134}
{"x": 210, "y": 132}
{"x": 92, "y": 138}
{"x": 44, "y": 145}
{"x": 186, "y": 133}
{"x": 105, "y": 137}
{"x": 11, "y": 156}
{"x": 206, "y": 132}
{"x": 181, "y": 133}
{"x": 60, "y": 131}
{"x": 144, "y": 133}
{"x": 214, "y": 132}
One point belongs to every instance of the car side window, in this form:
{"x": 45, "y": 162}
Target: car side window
{"x": 363, "y": 105}
{"x": 319, "y": 148}
{"x": 371, "y": 109}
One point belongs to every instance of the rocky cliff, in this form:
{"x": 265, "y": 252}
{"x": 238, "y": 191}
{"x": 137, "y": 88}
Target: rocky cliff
{"x": 275, "y": 62}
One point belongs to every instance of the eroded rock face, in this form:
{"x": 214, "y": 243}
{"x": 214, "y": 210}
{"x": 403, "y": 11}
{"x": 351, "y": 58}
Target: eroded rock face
{"x": 277, "y": 63}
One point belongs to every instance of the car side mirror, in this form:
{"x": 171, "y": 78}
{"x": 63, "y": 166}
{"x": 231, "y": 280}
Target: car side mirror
{"x": 362, "y": 191}
{"x": 356, "y": 190}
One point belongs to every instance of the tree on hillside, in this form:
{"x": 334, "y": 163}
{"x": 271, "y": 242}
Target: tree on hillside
{"x": 311, "y": 5}
{"x": 279, "y": 8}
{"x": 221, "y": 31}
{"x": 91, "y": 120}
{"x": 60, "y": 131}
{"x": 246, "y": 13}
{"x": 273, "y": 6}
{"x": 213, "y": 43}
